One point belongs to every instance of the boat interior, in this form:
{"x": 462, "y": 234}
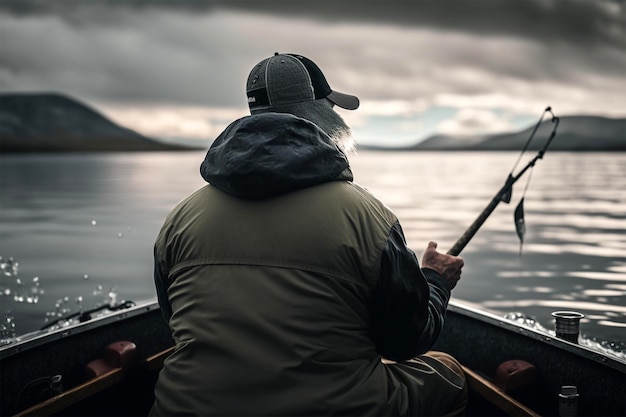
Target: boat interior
{"x": 109, "y": 366}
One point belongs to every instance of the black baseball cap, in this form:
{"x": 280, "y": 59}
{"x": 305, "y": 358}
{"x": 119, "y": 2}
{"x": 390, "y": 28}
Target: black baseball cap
{"x": 291, "y": 78}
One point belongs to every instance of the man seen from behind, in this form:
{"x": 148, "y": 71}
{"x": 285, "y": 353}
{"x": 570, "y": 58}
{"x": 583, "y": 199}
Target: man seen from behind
{"x": 290, "y": 289}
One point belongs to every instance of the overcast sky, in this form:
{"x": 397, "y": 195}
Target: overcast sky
{"x": 177, "y": 69}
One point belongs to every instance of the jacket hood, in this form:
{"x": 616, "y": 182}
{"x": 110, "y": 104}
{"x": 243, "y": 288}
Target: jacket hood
{"x": 270, "y": 154}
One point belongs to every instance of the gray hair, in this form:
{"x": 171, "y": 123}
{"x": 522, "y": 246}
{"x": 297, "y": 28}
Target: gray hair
{"x": 321, "y": 113}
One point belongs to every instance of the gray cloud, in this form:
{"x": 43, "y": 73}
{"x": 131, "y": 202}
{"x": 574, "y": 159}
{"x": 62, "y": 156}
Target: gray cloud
{"x": 577, "y": 21}
{"x": 516, "y": 55}
{"x": 150, "y": 56}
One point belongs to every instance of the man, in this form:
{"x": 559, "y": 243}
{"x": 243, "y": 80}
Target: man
{"x": 285, "y": 283}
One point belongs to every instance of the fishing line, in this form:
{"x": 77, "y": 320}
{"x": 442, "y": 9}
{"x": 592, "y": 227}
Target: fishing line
{"x": 507, "y": 192}
{"x": 518, "y": 216}
{"x": 507, "y": 189}
{"x": 530, "y": 139}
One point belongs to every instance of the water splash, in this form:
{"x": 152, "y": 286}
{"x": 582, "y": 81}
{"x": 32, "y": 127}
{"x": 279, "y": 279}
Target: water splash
{"x": 35, "y": 291}
{"x": 18, "y": 294}
{"x": 525, "y": 320}
{"x": 9, "y": 266}
{"x": 112, "y": 296}
{"x": 61, "y": 307}
{"x": 609, "y": 348}
{"x": 21, "y": 292}
{"x": 7, "y": 330}
{"x": 98, "y": 290}
{"x": 67, "y": 310}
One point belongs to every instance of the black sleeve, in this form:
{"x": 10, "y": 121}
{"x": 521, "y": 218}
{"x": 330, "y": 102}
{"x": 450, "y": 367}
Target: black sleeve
{"x": 408, "y": 305}
{"x": 161, "y": 283}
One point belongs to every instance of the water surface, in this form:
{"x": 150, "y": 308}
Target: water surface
{"x": 81, "y": 227}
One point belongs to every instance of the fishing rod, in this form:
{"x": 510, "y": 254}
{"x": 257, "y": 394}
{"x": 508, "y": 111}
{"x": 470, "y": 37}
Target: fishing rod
{"x": 506, "y": 191}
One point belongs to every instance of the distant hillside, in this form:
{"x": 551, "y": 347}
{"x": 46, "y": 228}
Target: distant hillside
{"x": 57, "y": 123}
{"x": 575, "y": 133}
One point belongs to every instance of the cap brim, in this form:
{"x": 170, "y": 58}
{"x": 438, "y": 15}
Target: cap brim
{"x": 342, "y": 100}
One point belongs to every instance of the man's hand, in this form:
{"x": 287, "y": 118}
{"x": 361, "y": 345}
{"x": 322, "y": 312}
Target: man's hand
{"x": 448, "y": 266}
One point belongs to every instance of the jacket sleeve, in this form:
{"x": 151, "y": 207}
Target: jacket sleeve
{"x": 408, "y": 304}
{"x": 161, "y": 284}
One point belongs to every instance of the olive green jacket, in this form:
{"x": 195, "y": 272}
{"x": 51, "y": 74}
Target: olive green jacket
{"x": 284, "y": 283}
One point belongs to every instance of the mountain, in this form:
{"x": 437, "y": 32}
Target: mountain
{"x": 57, "y": 123}
{"x": 574, "y": 133}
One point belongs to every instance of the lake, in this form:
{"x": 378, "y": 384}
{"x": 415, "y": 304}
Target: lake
{"x": 76, "y": 230}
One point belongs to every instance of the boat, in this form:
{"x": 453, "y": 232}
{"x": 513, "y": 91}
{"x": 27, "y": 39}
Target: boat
{"x": 108, "y": 365}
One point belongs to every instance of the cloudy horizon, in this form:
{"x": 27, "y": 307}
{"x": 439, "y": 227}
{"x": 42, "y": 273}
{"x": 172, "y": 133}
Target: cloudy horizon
{"x": 177, "y": 70}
